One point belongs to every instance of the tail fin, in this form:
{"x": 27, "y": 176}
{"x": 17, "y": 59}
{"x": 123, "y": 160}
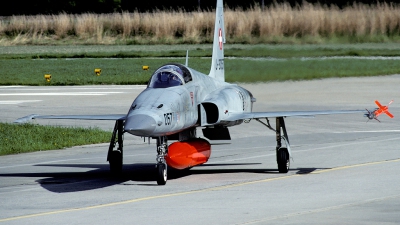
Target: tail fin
{"x": 217, "y": 64}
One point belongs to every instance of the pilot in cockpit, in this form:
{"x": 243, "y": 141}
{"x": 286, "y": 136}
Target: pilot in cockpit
{"x": 167, "y": 76}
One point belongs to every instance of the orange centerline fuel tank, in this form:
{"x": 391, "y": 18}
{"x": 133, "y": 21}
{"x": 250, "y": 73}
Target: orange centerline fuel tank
{"x": 186, "y": 154}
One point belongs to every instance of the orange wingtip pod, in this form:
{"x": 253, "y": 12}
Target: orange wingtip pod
{"x": 383, "y": 109}
{"x": 186, "y": 154}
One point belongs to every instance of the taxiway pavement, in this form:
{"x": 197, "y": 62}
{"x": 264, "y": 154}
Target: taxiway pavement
{"x": 344, "y": 170}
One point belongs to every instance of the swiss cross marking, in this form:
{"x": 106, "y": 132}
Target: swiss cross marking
{"x": 220, "y": 39}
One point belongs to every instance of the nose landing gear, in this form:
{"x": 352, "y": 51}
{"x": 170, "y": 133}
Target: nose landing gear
{"x": 161, "y": 166}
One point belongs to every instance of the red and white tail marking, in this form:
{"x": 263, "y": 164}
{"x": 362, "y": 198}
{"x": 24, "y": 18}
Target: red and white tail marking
{"x": 217, "y": 70}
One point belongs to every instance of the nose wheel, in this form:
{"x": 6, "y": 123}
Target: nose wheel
{"x": 161, "y": 166}
{"x": 161, "y": 174}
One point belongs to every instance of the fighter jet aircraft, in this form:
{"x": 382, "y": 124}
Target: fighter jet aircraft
{"x": 178, "y": 99}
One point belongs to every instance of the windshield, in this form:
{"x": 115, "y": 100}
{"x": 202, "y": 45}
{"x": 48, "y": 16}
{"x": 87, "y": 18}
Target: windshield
{"x": 167, "y": 76}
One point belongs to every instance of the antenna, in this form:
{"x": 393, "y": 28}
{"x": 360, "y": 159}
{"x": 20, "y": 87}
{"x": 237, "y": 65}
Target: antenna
{"x": 187, "y": 58}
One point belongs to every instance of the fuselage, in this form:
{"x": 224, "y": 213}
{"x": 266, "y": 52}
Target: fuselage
{"x": 189, "y": 99}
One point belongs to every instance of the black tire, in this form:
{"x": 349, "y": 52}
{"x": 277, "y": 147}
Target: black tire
{"x": 161, "y": 174}
{"x": 283, "y": 160}
{"x": 116, "y": 162}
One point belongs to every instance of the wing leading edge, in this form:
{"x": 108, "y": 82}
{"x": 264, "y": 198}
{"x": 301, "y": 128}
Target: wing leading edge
{"x": 258, "y": 115}
{"x": 73, "y": 117}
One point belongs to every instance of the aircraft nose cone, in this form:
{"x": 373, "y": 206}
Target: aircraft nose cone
{"x": 140, "y": 125}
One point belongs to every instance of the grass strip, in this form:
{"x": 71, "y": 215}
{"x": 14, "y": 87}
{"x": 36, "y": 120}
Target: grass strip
{"x": 129, "y": 71}
{"x": 250, "y": 71}
{"x": 78, "y": 71}
{"x": 200, "y": 50}
{"x": 21, "y": 138}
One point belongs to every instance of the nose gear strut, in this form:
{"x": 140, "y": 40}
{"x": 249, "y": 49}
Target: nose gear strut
{"x": 161, "y": 166}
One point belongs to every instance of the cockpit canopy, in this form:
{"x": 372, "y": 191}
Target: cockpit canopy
{"x": 169, "y": 76}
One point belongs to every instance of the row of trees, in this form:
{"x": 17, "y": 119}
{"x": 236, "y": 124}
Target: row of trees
{"x": 35, "y": 7}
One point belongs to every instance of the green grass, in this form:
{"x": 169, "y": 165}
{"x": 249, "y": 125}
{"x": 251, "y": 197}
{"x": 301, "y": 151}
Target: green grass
{"x": 77, "y": 71}
{"x": 129, "y": 71}
{"x": 74, "y": 65}
{"x": 242, "y": 71}
{"x": 199, "y": 50}
{"x": 21, "y": 138}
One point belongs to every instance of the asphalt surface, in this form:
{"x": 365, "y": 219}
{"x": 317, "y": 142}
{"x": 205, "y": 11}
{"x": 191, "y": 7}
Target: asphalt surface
{"x": 344, "y": 170}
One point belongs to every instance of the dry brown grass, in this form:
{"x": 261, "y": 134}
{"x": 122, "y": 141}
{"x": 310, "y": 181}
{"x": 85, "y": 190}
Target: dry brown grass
{"x": 360, "y": 22}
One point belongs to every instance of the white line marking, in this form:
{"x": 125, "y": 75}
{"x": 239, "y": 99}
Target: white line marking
{"x": 14, "y": 102}
{"x": 315, "y": 58}
{"x": 28, "y": 88}
{"x": 60, "y": 93}
{"x": 2, "y": 87}
{"x": 366, "y": 131}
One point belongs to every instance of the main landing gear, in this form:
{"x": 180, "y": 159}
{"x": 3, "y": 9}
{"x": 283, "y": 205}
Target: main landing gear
{"x": 115, "y": 156}
{"x": 282, "y": 154}
{"x": 161, "y": 166}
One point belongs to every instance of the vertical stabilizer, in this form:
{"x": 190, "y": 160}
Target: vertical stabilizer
{"x": 217, "y": 63}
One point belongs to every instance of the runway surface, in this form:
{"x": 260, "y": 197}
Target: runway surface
{"x": 344, "y": 170}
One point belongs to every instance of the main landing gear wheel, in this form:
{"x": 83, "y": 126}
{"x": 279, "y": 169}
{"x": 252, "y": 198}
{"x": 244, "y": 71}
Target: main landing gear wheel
{"x": 282, "y": 154}
{"x": 161, "y": 174}
{"x": 283, "y": 160}
{"x": 115, "y": 150}
{"x": 115, "y": 162}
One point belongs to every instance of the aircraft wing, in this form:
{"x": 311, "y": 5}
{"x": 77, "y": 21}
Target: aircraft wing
{"x": 257, "y": 115}
{"x": 378, "y": 104}
{"x": 74, "y": 117}
{"x": 389, "y": 114}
